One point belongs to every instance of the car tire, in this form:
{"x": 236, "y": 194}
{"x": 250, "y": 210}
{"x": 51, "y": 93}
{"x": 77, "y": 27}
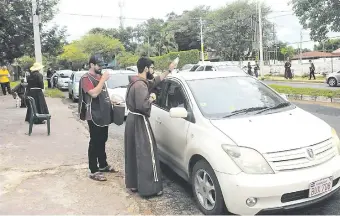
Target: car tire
{"x": 73, "y": 99}
{"x": 204, "y": 172}
{"x": 332, "y": 82}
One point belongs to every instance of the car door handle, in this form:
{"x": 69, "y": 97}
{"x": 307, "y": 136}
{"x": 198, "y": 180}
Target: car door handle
{"x": 158, "y": 121}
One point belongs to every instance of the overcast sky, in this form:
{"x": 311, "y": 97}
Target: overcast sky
{"x": 137, "y": 11}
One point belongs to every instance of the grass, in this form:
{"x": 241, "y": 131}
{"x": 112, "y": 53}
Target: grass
{"x": 306, "y": 91}
{"x": 53, "y": 93}
{"x": 319, "y": 79}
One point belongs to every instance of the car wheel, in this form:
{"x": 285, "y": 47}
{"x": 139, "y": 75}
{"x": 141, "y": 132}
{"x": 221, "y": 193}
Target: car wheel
{"x": 73, "y": 99}
{"x": 206, "y": 189}
{"x": 332, "y": 82}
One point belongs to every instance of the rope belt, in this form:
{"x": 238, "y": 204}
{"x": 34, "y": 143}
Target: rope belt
{"x": 151, "y": 146}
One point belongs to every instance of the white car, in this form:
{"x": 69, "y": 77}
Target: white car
{"x": 73, "y": 85}
{"x": 117, "y": 85}
{"x": 241, "y": 145}
{"x": 63, "y": 79}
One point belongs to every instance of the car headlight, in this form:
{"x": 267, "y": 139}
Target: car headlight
{"x": 248, "y": 160}
{"x": 336, "y": 139}
{"x": 117, "y": 99}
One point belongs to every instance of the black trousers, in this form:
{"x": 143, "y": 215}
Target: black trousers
{"x": 96, "y": 152}
{"x": 311, "y": 74}
{"x": 4, "y": 86}
{"x": 49, "y": 83}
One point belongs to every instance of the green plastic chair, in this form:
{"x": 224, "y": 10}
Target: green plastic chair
{"x": 36, "y": 116}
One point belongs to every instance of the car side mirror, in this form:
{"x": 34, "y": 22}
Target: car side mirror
{"x": 284, "y": 96}
{"x": 178, "y": 112}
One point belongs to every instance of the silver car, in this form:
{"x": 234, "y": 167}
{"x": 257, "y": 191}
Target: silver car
{"x": 63, "y": 78}
{"x": 73, "y": 85}
{"x": 333, "y": 79}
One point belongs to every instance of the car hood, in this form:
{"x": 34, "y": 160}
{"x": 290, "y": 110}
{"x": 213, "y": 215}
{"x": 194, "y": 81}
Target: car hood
{"x": 118, "y": 91}
{"x": 277, "y": 131}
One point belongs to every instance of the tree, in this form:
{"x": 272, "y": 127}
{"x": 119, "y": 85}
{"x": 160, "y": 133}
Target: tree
{"x": 287, "y": 51}
{"x": 320, "y": 16}
{"x": 16, "y": 33}
{"x": 230, "y": 30}
{"x": 329, "y": 45}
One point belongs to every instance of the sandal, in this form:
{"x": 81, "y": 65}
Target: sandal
{"x": 97, "y": 176}
{"x": 108, "y": 169}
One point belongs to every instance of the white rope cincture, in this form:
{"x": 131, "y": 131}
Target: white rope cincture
{"x": 151, "y": 146}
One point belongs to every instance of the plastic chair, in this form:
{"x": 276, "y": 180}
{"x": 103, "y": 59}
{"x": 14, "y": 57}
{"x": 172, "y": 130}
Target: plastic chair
{"x": 37, "y": 116}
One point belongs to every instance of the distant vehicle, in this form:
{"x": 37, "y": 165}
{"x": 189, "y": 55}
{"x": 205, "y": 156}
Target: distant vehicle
{"x": 73, "y": 85}
{"x": 333, "y": 79}
{"x": 132, "y": 68}
{"x": 186, "y": 67}
{"x": 117, "y": 85}
{"x": 215, "y": 67}
{"x": 63, "y": 77}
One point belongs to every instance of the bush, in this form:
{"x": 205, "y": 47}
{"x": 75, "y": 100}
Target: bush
{"x": 306, "y": 91}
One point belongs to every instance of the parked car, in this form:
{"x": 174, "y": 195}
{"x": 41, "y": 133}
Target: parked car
{"x": 132, "y": 68}
{"x": 333, "y": 79}
{"x": 226, "y": 134}
{"x": 63, "y": 78}
{"x": 73, "y": 85}
{"x": 215, "y": 67}
{"x": 117, "y": 85}
{"x": 186, "y": 67}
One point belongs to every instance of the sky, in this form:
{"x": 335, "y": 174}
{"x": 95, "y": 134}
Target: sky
{"x": 105, "y": 14}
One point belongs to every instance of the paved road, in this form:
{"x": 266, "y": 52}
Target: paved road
{"x": 178, "y": 197}
{"x": 303, "y": 85}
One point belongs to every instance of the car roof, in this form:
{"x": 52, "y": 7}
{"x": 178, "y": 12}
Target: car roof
{"x": 207, "y": 75}
{"x": 80, "y": 72}
{"x": 120, "y": 71}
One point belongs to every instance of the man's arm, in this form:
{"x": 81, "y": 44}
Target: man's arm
{"x": 97, "y": 90}
{"x": 90, "y": 89}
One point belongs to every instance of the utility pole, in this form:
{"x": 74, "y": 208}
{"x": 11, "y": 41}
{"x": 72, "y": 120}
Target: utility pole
{"x": 121, "y": 17}
{"x": 301, "y": 46}
{"x": 274, "y": 44}
{"x": 261, "y": 44}
{"x": 202, "y": 45}
{"x": 36, "y": 31}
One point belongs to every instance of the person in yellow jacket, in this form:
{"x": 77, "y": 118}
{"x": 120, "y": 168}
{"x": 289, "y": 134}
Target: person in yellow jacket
{"x": 4, "y": 80}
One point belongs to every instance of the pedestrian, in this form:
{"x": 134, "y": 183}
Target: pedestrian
{"x": 256, "y": 69}
{"x": 49, "y": 75}
{"x": 142, "y": 171}
{"x": 35, "y": 86}
{"x": 288, "y": 71}
{"x": 311, "y": 70}
{"x": 249, "y": 69}
{"x": 4, "y": 80}
{"x": 20, "y": 90}
{"x": 95, "y": 107}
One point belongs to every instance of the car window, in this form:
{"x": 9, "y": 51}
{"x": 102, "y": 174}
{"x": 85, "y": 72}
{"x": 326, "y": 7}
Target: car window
{"x": 209, "y": 68}
{"x": 158, "y": 91}
{"x": 174, "y": 97}
{"x": 219, "y": 97}
{"x": 186, "y": 67}
{"x": 201, "y": 68}
{"x": 194, "y": 68}
{"x": 71, "y": 78}
{"x": 78, "y": 76}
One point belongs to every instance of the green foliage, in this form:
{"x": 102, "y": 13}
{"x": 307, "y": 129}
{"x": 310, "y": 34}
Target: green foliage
{"x": 16, "y": 34}
{"x": 329, "y": 45}
{"x": 306, "y": 91}
{"x": 25, "y": 62}
{"x": 287, "y": 51}
{"x": 162, "y": 62}
{"x": 54, "y": 93}
{"x": 320, "y": 16}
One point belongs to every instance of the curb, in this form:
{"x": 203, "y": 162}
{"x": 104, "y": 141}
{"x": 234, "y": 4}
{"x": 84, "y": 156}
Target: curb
{"x": 313, "y": 98}
{"x": 297, "y": 82}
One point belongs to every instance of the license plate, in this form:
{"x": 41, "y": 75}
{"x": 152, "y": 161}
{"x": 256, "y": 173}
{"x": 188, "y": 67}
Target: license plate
{"x": 321, "y": 186}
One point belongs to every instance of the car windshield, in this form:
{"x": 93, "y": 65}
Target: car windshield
{"x": 221, "y": 97}
{"x": 65, "y": 74}
{"x": 119, "y": 80}
{"x": 187, "y": 67}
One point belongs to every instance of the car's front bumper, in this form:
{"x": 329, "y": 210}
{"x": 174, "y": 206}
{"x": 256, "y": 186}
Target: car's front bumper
{"x": 283, "y": 190}
{"x": 62, "y": 86}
